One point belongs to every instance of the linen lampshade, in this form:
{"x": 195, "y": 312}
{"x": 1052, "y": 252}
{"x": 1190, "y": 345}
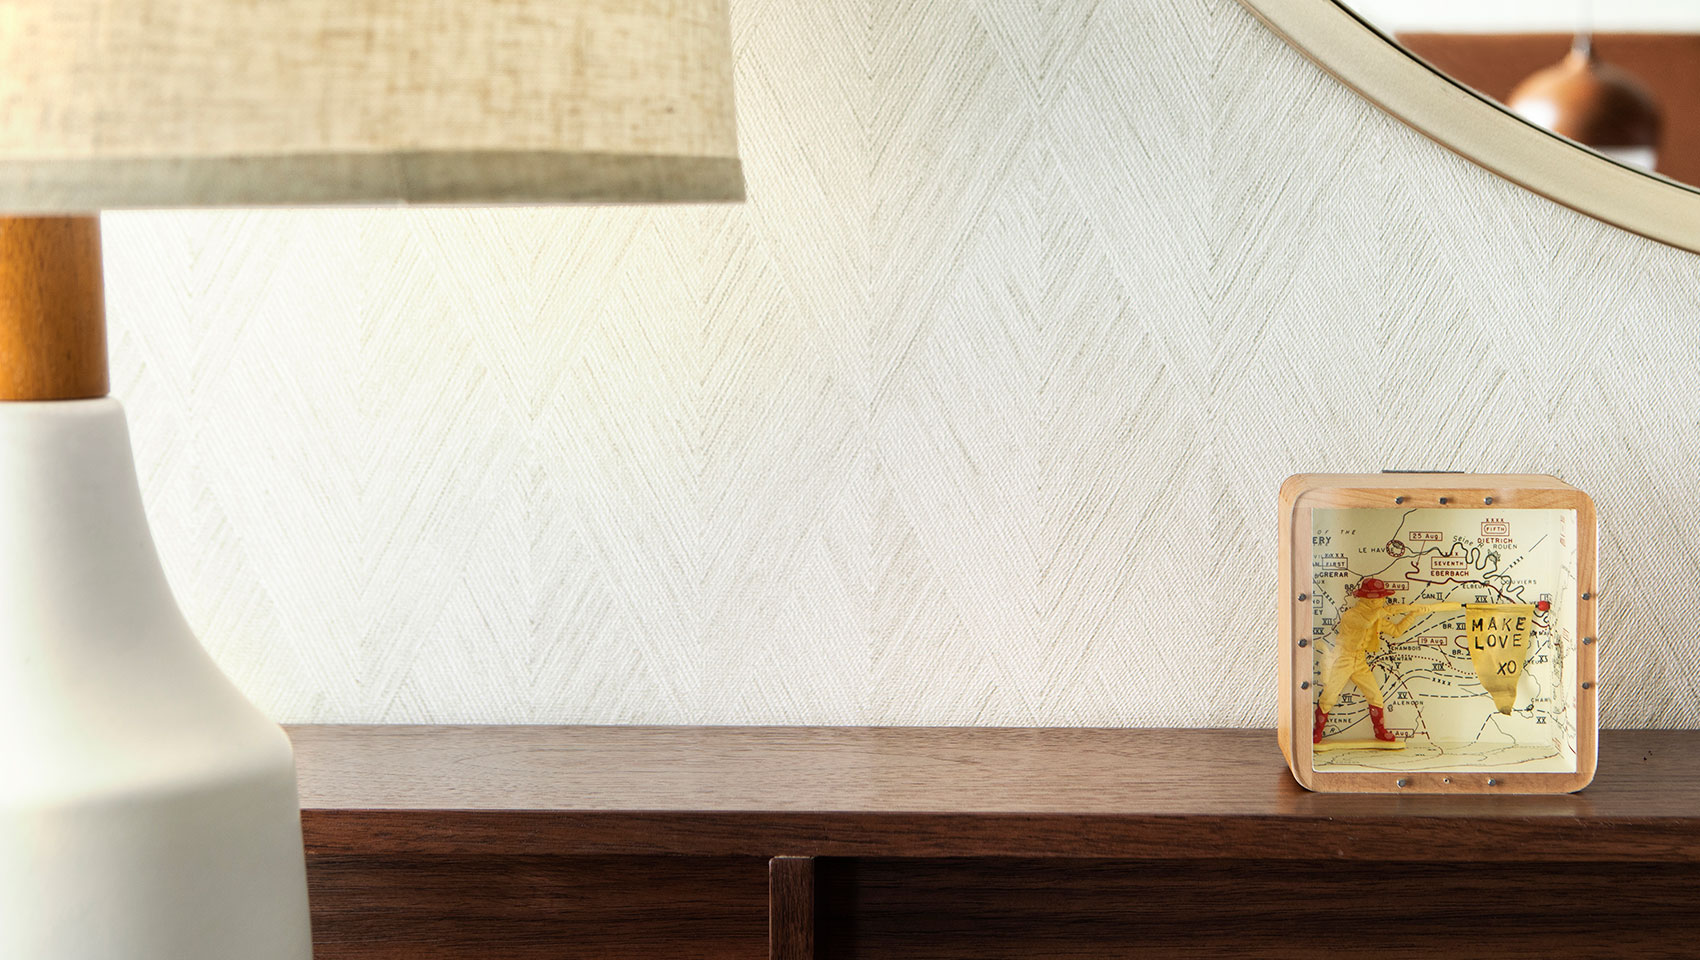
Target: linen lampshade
{"x": 145, "y": 103}
{"x": 148, "y": 811}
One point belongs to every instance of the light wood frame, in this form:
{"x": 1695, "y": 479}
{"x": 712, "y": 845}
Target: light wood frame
{"x": 1304, "y": 493}
{"x": 1480, "y": 129}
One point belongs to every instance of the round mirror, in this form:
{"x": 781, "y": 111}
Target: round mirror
{"x": 1595, "y": 105}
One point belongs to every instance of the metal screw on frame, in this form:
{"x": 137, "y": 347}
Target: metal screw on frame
{"x": 1304, "y": 641}
{"x": 1303, "y": 597}
{"x": 1492, "y": 782}
{"x": 1402, "y": 782}
{"x": 1587, "y": 640}
{"x": 1487, "y": 500}
{"x": 1305, "y": 685}
{"x": 1443, "y": 501}
{"x": 1587, "y": 684}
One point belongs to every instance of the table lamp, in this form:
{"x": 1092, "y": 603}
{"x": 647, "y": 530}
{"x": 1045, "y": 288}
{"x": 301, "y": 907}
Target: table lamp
{"x": 147, "y": 810}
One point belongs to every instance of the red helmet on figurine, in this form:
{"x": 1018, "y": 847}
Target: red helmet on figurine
{"x": 1372, "y": 588}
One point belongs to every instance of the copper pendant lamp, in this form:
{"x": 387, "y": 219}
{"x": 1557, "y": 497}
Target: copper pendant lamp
{"x": 1597, "y": 104}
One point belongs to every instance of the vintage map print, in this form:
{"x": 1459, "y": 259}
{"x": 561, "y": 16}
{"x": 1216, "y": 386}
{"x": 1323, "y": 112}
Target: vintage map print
{"x": 1486, "y": 687}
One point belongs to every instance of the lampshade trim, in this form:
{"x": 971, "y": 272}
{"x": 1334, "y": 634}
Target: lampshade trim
{"x": 414, "y": 178}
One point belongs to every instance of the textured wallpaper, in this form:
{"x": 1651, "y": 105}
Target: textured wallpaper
{"x": 974, "y": 414}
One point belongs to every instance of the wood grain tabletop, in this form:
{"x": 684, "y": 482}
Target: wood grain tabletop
{"x": 946, "y": 792}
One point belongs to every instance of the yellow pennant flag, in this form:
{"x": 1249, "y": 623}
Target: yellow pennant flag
{"x": 1499, "y": 646}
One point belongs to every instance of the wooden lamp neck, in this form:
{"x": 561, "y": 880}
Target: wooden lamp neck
{"x": 52, "y": 309}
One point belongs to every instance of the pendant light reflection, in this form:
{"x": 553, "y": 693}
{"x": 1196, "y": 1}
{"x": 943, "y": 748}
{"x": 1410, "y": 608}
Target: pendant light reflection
{"x": 1597, "y": 104}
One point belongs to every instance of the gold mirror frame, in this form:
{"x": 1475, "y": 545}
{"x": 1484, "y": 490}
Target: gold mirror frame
{"x": 1480, "y": 129}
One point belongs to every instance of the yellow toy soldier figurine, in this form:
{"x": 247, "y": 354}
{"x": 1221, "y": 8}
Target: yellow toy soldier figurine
{"x": 1361, "y": 628}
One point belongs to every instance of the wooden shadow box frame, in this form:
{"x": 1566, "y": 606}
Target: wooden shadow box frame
{"x": 1301, "y": 496}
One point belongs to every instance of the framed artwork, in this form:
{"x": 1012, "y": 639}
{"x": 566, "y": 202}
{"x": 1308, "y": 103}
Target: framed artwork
{"x": 1437, "y": 633}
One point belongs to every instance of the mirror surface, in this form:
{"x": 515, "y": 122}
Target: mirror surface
{"x": 1620, "y": 76}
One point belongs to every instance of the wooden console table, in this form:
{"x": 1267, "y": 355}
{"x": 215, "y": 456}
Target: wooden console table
{"x": 524, "y": 843}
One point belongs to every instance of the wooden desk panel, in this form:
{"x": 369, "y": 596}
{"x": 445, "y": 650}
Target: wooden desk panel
{"x": 1270, "y": 910}
{"x": 455, "y": 843}
{"x": 519, "y": 907}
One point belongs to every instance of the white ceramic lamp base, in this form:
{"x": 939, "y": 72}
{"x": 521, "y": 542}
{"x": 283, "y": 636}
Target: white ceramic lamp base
{"x": 147, "y": 810}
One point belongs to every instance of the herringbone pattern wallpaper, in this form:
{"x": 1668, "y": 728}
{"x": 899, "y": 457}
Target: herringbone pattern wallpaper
{"x": 974, "y": 414}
